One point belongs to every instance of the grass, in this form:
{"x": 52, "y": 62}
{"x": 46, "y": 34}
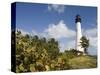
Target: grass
{"x": 83, "y": 62}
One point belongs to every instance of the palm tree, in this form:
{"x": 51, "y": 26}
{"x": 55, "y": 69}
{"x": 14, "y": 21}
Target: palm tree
{"x": 84, "y": 43}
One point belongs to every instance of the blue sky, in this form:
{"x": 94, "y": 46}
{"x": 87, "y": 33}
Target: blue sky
{"x": 57, "y": 21}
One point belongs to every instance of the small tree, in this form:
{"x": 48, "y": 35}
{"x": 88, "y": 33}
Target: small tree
{"x": 84, "y": 43}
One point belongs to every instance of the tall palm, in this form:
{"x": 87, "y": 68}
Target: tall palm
{"x": 84, "y": 43}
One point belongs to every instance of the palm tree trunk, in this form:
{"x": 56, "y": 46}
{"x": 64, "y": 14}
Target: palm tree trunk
{"x": 85, "y": 50}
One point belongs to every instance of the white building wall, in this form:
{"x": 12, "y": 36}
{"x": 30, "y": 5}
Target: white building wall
{"x": 79, "y": 35}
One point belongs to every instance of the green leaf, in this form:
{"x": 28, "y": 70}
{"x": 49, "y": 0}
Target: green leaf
{"x": 26, "y": 60}
{"x": 17, "y": 69}
{"x": 32, "y": 68}
{"x": 60, "y": 60}
{"x": 21, "y": 67}
{"x": 47, "y": 67}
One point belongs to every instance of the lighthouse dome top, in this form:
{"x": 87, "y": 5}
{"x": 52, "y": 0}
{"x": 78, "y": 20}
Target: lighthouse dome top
{"x": 78, "y": 18}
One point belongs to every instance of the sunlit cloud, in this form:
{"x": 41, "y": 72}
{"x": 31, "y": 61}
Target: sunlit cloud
{"x": 59, "y": 30}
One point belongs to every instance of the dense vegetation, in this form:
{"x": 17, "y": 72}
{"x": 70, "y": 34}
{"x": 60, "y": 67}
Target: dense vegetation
{"x": 40, "y": 54}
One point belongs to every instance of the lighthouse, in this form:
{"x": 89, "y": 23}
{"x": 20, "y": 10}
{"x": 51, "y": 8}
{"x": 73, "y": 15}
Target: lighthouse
{"x": 78, "y": 33}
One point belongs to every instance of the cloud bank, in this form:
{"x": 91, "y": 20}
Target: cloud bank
{"x": 59, "y": 31}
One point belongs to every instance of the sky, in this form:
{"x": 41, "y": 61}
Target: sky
{"x": 57, "y": 21}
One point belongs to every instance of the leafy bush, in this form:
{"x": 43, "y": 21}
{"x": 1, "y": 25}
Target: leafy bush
{"x": 41, "y": 54}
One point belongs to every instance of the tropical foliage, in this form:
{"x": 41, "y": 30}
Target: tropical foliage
{"x": 84, "y": 43}
{"x": 35, "y": 53}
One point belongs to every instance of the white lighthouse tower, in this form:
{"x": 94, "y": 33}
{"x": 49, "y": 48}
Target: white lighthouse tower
{"x": 78, "y": 33}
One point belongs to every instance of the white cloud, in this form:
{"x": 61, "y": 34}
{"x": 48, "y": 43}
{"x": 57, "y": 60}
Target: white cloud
{"x": 67, "y": 45}
{"x": 23, "y": 32}
{"x": 92, "y": 36}
{"x": 35, "y": 32}
{"x": 59, "y": 30}
{"x": 71, "y": 44}
{"x": 91, "y": 32}
{"x": 32, "y": 33}
{"x": 57, "y": 8}
{"x": 40, "y": 34}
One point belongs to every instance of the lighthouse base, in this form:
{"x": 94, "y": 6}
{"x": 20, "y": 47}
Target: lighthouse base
{"x": 81, "y": 50}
